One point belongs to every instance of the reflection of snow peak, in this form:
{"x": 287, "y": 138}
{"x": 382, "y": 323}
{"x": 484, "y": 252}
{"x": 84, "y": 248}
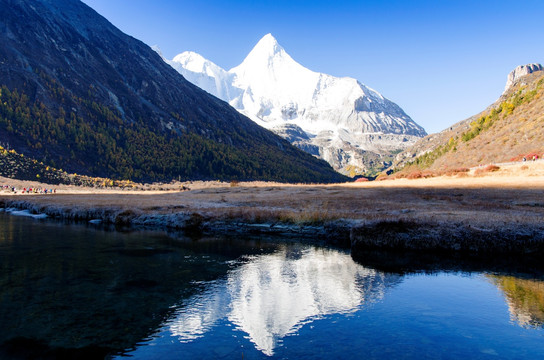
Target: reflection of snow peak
{"x": 194, "y": 319}
{"x": 274, "y": 295}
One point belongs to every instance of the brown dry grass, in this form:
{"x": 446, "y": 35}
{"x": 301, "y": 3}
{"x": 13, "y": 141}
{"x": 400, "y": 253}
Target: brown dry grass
{"x": 511, "y": 137}
{"x": 517, "y": 135}
{"x": 489, "y": 168}
{"x": 508, "y": 195}
{"x": 452, "y": 172}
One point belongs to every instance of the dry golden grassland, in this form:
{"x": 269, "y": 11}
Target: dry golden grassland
{"x": 508, "y": 130}
{"x": 511, "y": 194}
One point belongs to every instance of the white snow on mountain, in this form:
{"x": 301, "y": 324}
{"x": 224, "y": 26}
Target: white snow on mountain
{"x": 338, "y": 119}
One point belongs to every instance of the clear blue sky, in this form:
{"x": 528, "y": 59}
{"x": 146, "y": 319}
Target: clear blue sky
{"x": 440, "y": 60}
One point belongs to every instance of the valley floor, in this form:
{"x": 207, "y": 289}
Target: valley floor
{"x": 499, "y": 211}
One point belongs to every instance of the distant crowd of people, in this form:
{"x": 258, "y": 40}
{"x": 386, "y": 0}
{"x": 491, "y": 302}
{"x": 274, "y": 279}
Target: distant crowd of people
{"x": 29, "y": 190}
{"x": 535, "y": 158}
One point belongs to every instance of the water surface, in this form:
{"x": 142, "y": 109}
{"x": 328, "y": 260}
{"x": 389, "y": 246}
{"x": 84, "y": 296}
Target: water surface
{"x": 76, "y": 291}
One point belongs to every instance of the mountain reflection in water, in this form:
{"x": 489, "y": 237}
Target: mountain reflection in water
{"x": 525, "y": 299}
{"x": 272, "y": 296}
{"x": 74, "y": 292}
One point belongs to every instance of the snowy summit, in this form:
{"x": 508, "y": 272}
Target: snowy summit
{"x": 338, "y": 119}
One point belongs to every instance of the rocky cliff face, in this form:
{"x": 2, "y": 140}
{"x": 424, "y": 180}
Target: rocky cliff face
{"x": 338, "y": 119}
{"x": 79, "y": 94}
{"x": 519, "y": 72}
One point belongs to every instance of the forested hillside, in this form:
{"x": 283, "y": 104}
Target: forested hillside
{"x": 78, "y": 94}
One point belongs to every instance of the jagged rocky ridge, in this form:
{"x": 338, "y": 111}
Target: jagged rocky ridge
{"x": 519, "y": 72}
{"x": 340, "y": 120}
{"x": 78, "y": 94}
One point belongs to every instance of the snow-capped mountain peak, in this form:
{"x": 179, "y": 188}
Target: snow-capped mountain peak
{"x": 197, "y": 63}
{"x": 272, "y": 82}
{"x": 339, "y": 118}
{"x": 158, "y": 50}
{"x": 268, "y": 47}
{"x": 268, "y": 61}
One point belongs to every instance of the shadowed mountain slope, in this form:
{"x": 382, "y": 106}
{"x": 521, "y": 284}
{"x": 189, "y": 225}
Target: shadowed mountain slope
{"x": 79, "y": 94}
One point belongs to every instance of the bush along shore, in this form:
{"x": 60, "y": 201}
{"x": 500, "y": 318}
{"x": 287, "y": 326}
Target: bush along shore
{"x": 451, "y": 237}
{"x": 361, "y": 235}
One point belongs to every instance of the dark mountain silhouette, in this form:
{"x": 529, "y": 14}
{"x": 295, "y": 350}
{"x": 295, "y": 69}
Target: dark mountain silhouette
{"x": 79, "y": 94}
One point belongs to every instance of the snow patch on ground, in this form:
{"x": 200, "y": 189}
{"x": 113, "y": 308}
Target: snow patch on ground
{"x": 26, "y": 213}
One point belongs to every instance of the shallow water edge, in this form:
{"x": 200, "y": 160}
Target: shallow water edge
{"x": 84, "y": 291}
{"x": 361, "y": 235}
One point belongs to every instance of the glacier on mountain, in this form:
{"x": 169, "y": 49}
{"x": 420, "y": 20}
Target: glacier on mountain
{"x": 348, "y": 124}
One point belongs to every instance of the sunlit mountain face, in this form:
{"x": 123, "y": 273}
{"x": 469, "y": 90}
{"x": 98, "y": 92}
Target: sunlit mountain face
{"x": 339, "y": 120}
{"x": 272, "y": 296}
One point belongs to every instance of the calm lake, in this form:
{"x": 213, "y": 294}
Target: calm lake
{"x": 70, "y": 291}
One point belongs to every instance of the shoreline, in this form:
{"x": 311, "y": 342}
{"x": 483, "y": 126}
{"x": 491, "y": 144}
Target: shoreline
{"x": 499, "y": 214}
{"x": 360, "y": 236}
